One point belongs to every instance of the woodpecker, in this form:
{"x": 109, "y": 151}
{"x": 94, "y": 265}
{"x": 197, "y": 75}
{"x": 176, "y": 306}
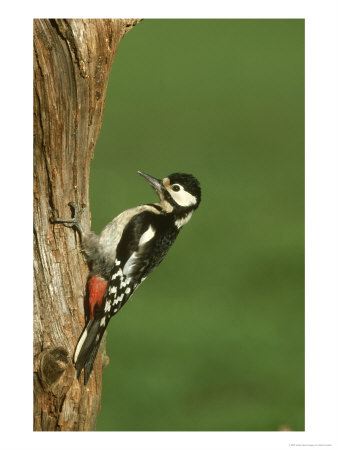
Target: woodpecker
{"x": 126, "y": 252}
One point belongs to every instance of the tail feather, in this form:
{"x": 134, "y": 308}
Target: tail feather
{"x": 87, "y": 348}
{"x": 89, "y": 364}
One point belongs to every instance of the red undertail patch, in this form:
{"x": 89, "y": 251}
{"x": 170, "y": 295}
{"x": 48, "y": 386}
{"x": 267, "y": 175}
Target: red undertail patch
{"x": 97, "y": 287}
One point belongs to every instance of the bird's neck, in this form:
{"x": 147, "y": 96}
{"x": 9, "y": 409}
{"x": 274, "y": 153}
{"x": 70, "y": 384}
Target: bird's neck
{"x": 179, "y": 215}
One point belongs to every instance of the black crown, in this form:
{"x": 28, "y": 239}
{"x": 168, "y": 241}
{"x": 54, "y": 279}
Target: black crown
{"x": 189, "y": 182}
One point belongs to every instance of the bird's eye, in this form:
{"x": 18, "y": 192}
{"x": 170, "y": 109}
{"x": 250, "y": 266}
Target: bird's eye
{"x": 176, "y": 187}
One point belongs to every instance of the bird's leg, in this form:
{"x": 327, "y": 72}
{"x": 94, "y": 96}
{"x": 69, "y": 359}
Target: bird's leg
{"x": 75, "y": 221}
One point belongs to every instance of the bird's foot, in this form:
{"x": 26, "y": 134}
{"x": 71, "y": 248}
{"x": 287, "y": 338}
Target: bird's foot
{"x": 75, "y": 221}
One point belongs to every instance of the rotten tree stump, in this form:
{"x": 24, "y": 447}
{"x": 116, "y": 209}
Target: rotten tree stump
{"x": 72, "y": 62}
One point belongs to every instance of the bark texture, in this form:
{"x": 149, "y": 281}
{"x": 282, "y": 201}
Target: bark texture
{"x": 72, "y": 61}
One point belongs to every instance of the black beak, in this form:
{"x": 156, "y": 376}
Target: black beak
{"x": 154, "y": 182}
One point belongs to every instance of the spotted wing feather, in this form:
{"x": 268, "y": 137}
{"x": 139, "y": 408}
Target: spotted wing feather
{"x": 139, "y": 251}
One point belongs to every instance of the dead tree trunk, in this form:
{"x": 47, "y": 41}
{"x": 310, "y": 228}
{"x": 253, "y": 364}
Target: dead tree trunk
{"x": 72, "y": 61}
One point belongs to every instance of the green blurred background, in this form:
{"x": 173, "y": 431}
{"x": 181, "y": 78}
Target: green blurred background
{"x": 214, "y": 339}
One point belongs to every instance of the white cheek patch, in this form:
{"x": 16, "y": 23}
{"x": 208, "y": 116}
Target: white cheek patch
{"x": 180, "y": 222}
{"x": 147, "y": 236}
{"x": 183, "y": 198}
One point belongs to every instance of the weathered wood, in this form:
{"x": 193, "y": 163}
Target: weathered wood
{"x": 72, "y": 61}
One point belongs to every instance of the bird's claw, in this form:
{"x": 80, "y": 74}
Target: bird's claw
{"x": 75, "y": 221}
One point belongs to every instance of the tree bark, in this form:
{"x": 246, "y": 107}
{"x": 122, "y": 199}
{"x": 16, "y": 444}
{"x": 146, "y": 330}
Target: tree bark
{"x": 72, "y": 61}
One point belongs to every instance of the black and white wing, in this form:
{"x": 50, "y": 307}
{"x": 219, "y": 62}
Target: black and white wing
{"x": 144, "y": 243}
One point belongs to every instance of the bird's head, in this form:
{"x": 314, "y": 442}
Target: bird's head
{"x": 180, "y": 190}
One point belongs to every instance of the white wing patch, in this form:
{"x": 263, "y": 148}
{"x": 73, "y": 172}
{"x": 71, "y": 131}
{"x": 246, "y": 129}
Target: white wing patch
{"x": 129, "y": 264}
{"x": 147, "y": 236}
{"x": 111, "y": 234}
